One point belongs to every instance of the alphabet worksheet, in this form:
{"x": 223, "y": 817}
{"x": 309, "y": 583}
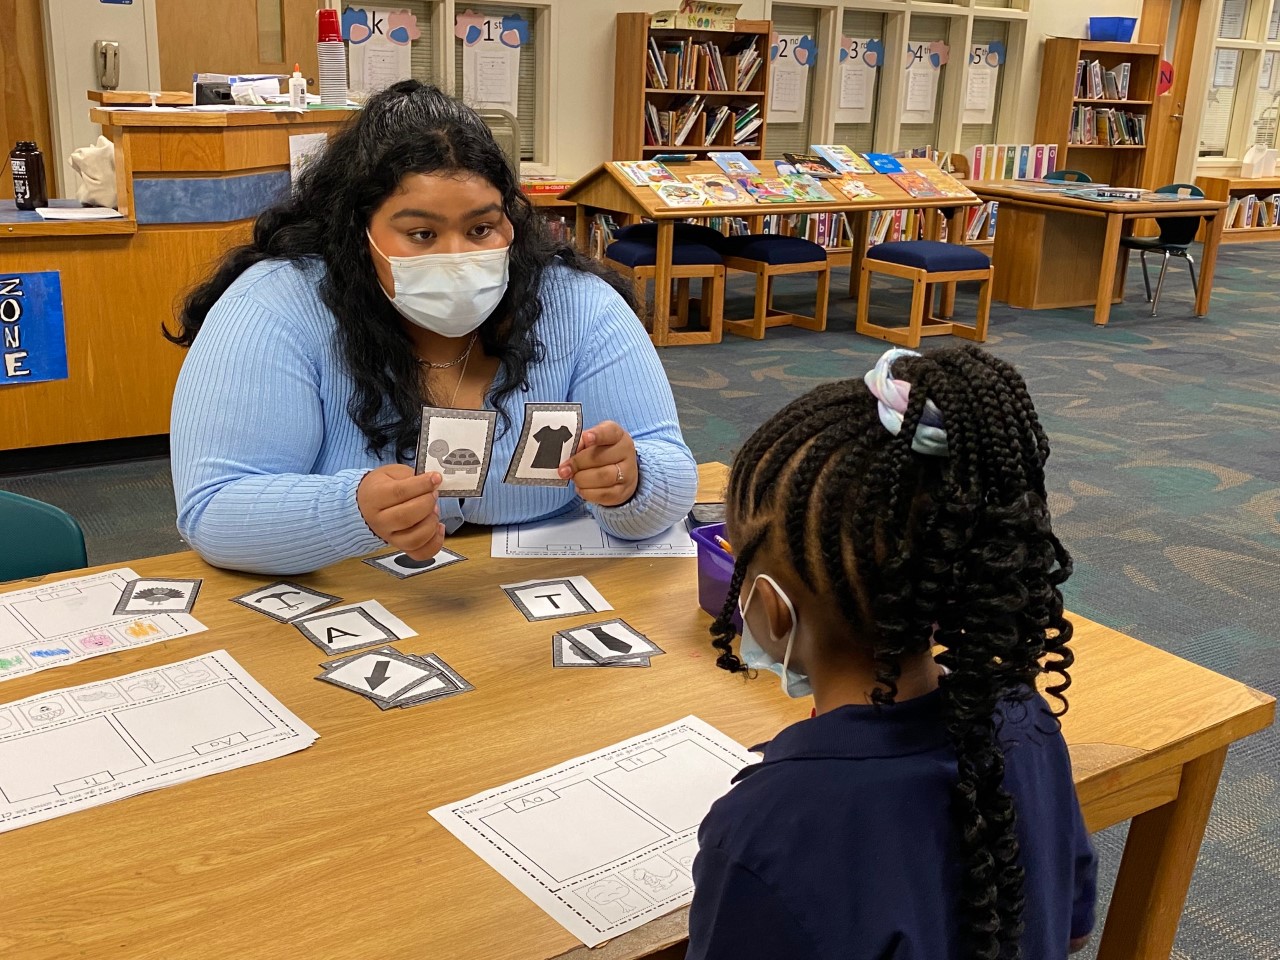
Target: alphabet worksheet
{"x": 71, "y": 620}
{"x": 605, "y": 842}
{"x": 81, "y": 747}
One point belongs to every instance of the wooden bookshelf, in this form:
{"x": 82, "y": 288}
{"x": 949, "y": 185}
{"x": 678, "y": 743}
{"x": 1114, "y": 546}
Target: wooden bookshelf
{"x": 1121, "y": 165}
{"x": 1227, "y": 189}
{"x": 632, "y": 92}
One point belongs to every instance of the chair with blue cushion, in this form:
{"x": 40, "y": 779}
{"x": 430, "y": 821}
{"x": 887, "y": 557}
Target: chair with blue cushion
{"x": 926, "y": 263}
{"x": 634, "y": 254}
{"x": 768, "y": 256}
{"x": 41, "y": 538}
{"x": 1176, "y": 234}
{"x": 1071, "y": 176}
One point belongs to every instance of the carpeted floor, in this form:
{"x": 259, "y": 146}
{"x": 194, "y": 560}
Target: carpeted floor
{"x": 1166, "y": 483}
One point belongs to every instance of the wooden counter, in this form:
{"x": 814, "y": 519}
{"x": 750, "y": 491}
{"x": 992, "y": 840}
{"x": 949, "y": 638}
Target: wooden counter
{"x": 189, "y": 183}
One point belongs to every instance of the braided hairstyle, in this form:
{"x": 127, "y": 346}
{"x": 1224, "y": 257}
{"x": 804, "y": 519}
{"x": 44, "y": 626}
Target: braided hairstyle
{"x": 954, "y": 550}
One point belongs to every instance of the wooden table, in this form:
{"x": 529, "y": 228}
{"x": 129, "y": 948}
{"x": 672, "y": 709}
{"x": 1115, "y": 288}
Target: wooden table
{"x": 1054, "y": 250}
{"x": 330, "y": 852}
{"x": 608, "y": 189}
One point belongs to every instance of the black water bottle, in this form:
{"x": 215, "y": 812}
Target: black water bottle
{"x": 27, "y": 163}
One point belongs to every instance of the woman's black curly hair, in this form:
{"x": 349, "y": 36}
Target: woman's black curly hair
{"x": 408, "y": 128}
{"x": 903, "y": 542}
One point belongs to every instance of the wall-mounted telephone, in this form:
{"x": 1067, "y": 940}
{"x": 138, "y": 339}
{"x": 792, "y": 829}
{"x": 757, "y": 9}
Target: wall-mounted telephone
{"x": 106, "y": 57}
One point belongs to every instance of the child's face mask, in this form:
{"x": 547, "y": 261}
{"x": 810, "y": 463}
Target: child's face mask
{"x": 753, "y": 655}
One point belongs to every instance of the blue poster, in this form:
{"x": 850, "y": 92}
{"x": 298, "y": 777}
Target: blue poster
{"x": 33, "y": 340}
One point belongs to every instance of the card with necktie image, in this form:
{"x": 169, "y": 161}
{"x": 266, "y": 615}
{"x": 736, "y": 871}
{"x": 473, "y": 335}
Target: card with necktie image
{"x": 612, "y": 641}
{"x": 548, "y": 438}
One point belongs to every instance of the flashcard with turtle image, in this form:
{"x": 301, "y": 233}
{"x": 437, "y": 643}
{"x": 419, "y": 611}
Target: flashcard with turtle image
{"x": 285, "y": 601}
{"x": 403, "y": 566}
{"x": 549, "y": 437}
{"x": 458, "y": 445}
{"x": 158, "y": 596}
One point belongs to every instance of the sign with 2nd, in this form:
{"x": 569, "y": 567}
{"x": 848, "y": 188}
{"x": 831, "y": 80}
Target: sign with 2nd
{"x": 33, "y": 341}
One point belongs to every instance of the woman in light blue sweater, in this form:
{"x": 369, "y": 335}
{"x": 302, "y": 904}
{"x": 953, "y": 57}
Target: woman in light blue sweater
{"x": 407, "y": 269}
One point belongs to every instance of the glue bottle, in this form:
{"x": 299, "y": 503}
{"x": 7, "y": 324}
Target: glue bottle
{"x": 297, "y": 89}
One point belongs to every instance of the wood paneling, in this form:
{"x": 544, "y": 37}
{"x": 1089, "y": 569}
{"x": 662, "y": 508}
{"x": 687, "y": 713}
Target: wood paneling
{"x": 222, "y": 37}
{"x": 24, "y": 106}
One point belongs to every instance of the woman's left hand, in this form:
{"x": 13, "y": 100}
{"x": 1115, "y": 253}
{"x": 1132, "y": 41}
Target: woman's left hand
{"x": 605, "y": 469}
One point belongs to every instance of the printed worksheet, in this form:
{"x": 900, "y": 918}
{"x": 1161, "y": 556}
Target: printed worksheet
{"x": 605, "y": 843}
{"x": 576, "y": 534}
{"x": 81, "y": 747}
{"x": 58, "y": 623}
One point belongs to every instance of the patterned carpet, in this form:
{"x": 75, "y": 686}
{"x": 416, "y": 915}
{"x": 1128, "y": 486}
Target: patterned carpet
{"x": 1166, "y": 488}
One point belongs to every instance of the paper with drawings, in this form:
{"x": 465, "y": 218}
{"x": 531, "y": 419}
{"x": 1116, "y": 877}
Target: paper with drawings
{"x": 70, "y": 620}
{"x": 605, "y": 843}
{"x": 84, "y": 746}
{"x": 576, "y": 534}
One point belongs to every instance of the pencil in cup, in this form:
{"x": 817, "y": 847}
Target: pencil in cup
{"x": 715, "y": 569}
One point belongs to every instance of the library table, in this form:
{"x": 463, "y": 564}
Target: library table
{"x": 331, "y": 852}
{"x": 1058, "y": 250}
{"x": 607, "y": 188}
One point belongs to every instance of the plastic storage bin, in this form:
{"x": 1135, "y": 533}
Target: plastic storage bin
{"x": 1112, "y": 29}
{"x": 715, "y": 570}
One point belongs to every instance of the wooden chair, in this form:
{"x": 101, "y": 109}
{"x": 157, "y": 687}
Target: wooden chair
{"x": 927, "y": 264}
{"x": 768, "y": 256}
{"x": 634, "y": 254}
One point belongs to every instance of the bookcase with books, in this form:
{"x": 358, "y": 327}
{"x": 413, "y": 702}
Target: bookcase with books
{"x": 689, "y": 91}
{"x": 1253, "y": 207}
{"x": 1095, "y": 103}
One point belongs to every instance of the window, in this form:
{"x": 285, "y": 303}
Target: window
{"x": 527, "y": 94}
{"x": 788, "y": 131}
{"x": 1242, "y": 101}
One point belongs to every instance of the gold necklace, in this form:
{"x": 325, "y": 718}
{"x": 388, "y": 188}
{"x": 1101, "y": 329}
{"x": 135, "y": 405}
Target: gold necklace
{"x": 460, "y": 358}
{"x": 462, "y": 376}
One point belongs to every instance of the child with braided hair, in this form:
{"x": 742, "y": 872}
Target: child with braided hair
{"x": 927, "y": 810}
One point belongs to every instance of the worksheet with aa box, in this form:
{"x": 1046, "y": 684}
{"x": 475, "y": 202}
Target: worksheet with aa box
{"x": 605, "y": 843}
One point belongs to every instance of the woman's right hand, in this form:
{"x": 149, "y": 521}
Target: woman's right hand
{"x": 401, "y": 508}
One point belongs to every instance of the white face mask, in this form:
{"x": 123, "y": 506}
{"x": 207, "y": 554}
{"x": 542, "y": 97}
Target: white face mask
{"x": 448, "y": 293}
{"x": 793, "y": 684}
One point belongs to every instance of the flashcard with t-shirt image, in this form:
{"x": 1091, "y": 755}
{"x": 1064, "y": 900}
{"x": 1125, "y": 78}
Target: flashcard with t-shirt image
{"x": 457, "y": 444}
{"x": 548, "y": 438}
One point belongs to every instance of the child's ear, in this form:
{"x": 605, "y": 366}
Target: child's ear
{"x": 774, "y": 609}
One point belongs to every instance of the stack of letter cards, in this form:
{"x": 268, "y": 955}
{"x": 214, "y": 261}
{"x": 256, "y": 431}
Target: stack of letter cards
{"x": 80, "y": 747}
{"x": 610, "y": 643}
{"x": 390, "y": 678}
{"x": 549, "y": 599}
{"x": 605, "y": 842}
{"x": 53, "y": 624}
{"x": 458, "y": 445}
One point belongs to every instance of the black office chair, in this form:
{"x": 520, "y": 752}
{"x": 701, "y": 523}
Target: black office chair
{"x": 1176, "y": 234}
{"x": 1071, "y": 176}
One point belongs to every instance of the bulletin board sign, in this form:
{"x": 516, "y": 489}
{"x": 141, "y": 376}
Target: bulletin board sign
{"x": 33, "y": 340}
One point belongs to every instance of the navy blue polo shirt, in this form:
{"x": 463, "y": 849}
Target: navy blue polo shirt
{"x": 840, "y": 843}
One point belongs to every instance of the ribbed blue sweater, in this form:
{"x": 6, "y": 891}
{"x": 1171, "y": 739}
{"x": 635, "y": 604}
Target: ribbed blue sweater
{"x": 266, "y": 460}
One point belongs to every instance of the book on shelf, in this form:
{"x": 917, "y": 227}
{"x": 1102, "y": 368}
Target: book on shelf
{"x": 813, "y": 164}
{"x": 841, "y": 158}
{"x": 768, "y": 189}
{"x": 947, "y": 185}
{"x": 544, "y": 185}
{"x": 884, "y": 163}
{"x": 680, "y": 194}
{"x": 915, "y": 185}
{"x": 1004, "y": 161}
{"x": 805, "y": 188}
{"x": 853, "y": 188}
{"x": 1106, "y": 126}
{"x": 734, "y": 164}
{"x": 715, "y": 123}
{"x": 1094, "y": 82}
{"x": 980, "y": 222}
{"x": 720, "y": 188}
{"x": 991, "y": 220}
{"x": 641, "y": 172}
{"x": 600, "y": 234}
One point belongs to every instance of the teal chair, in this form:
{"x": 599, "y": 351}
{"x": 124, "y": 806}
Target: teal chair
{"x": 39, "y": 538}
{"x": 1176, "y": 234}
{"x": 1071, "y": 176}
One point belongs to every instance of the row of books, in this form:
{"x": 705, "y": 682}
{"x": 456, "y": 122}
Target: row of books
{"x": 672, "y": 127}
{"x": 1106, "y": 126}
{"x": 891, "y": 226}
{"x": 1250, "y": 211}
{"x": 1012, "y": 161}
{"x": 678, "y": 65}
{"x": 1095, "y": 83}
{"x": 600, "y": 231}
{"x": 980, "y": 222}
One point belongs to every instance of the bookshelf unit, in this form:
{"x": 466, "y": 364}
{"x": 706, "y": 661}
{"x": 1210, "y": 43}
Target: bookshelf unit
{"x": 633, "y": 92}
{"x": 1228, "y": 189}
{"x": 1121, "y": 165}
